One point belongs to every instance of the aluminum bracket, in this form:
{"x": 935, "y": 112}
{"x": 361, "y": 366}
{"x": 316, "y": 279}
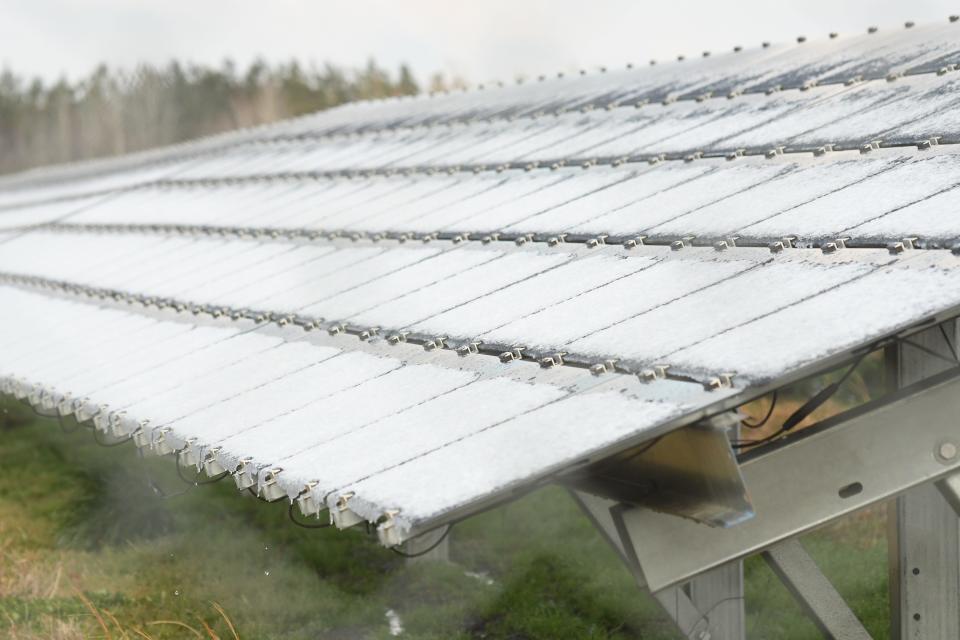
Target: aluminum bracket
{"x": 691, "y": 472}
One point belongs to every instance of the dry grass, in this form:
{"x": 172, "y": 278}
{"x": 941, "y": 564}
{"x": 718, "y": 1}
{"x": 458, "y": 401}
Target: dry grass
{"x": 113, "y": 629}
{"x": 27, "y": 573}
{"x": 52, "y": 628}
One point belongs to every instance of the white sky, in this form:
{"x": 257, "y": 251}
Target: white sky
{"x": 481, "y": 40}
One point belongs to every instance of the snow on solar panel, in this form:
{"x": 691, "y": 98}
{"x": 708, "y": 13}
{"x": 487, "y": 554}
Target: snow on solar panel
{"x": 291, "y": 302}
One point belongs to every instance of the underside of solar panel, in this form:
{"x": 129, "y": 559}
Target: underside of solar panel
{"x": 405, "y": 311}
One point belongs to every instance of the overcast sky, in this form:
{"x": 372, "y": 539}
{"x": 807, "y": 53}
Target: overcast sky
{"x": 480, "y": 41}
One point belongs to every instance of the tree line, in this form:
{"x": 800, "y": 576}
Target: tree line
{"x": 115, "y": 111}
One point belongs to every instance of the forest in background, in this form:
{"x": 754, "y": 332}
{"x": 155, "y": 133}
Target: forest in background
{"x": 114, "y": 111}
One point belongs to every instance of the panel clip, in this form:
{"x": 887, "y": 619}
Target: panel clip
{"x": 607, "y": 366}
{"x": 824, "y": 150}
{"x": 555, "y": 360}
{"x": 656, "y": 372}
{"x": 773, "y": 153}
{"x": 907, "y": 244}
{"x": 597, "y": 241}
{"x": 468, "y": 349}
{"x": 367, "y": 334}
{"x": 514, "y": 354}
{"x": 836, "y": 245}
{"x": 437, "y": 343}
{"x": 720, "y": 381}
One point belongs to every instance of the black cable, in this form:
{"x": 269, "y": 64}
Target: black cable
{"x": 163, "y": 495}
{"x": 766, "y": 418}
{"x": 436, "y": 544}
{"x": 47, "y": 416}
{"x": 216, "y": 478}
{"x": 196, "y": 482}
{"x": 160, "y": 493}
{"x": 706, "y": 616}
{"x": 632, "y": 454}
{"x": 255, "y": 495}
{"x": 743, "y": 444}
{"x": 305, "y": 525}
{"x": 102, "y": 443}
{"x": 805, "y": 409}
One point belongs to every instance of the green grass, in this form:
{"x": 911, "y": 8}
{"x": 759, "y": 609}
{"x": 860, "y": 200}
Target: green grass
{"x": 77, "y": 519}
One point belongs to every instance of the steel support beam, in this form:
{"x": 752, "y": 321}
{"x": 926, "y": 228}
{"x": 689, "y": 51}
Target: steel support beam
{"x": 711, "y": 605}
{"x": 690, "y": 620}
{"x": 719, "y": 594}
{"x": 924, "y": 530}
{"x": 857, "y": 459}
{"x": 801, "y": 575}
{"x": 701, "y": 613}
{"x": 950, "y": 490}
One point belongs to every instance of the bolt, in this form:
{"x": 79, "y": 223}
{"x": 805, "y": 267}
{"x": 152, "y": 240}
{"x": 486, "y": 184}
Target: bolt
{"x": 947, "y": 450}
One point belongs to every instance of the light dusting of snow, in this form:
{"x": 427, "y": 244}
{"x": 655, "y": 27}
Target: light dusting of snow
{"x": 396, "y": 624}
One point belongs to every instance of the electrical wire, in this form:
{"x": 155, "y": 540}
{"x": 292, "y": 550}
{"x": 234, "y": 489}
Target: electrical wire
{"x": 216, "y": 478}
{"x": 805, "y": 409}
{"x": 305, "y": 525}
{"x": 706, "y": 616}
{"x": 102, "y": 443}
{"x": 46, "y": 416}
{"x": 255, "y": 495}
{"x": 433, "y": 546}
{"x": 160, "y": 493}
{"x": 766, "y": 418}
{"x": 632, "y": 454}
{"x": 157, "y": 490}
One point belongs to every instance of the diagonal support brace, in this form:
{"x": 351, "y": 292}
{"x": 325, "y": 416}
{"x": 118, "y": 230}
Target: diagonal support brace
{"x": 801, "y": 575}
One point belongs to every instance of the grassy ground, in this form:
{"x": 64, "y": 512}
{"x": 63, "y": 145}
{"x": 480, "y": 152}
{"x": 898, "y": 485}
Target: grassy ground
{"x": 82, "y": 531}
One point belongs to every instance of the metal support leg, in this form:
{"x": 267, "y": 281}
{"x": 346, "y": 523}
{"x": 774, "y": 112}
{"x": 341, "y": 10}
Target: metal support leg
{"x": 797, "y": 570}
{"x": 719, "y": 594}
{"x": 924, "y": 533}
{"x": 692, "y": 622}
{"x": 924, "y": 562}
{"x": 713, "y": 609}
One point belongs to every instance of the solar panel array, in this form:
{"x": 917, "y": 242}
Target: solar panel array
{"x": 407, "y": 310}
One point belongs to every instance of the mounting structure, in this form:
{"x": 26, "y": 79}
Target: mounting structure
{"x": 403, "y": 312}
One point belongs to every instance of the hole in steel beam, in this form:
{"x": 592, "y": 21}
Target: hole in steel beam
{"x": 850, "y": 490}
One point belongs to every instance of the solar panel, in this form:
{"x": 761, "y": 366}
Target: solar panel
{"x": 411, "y": 309}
